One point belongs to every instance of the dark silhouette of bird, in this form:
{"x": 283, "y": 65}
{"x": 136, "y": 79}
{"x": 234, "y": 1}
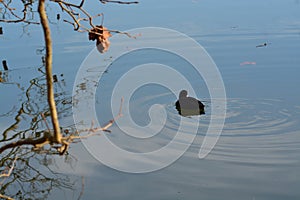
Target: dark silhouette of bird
{"x": 188, "y": 106}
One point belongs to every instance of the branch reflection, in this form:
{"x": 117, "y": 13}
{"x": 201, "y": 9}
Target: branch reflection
{"x": 33, "y": 175}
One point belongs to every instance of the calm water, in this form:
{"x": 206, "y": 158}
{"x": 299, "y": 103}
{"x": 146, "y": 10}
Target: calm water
{"x": 258, "y": 153}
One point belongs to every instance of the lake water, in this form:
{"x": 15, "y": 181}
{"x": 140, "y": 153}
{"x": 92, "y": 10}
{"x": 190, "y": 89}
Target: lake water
{"x": 258, "y": 153}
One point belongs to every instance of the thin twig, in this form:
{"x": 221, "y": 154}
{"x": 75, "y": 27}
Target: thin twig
{"x": 124, "y": 33}
{"x": 18, "y": 18}
{"x": 7, "y": 175}
{"x": 92, "y": 131}
{"x": 111, "y": 122}
{"x": 42, "y": 114}
{"x": 76, "y": 19}
{"x": 10, "y": 169}
{"x": 82, "y": 188}
{"x": 68, "y": 8}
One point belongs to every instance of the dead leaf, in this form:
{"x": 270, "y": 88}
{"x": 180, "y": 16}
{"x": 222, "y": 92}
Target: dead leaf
{"x": 101, "y": 35}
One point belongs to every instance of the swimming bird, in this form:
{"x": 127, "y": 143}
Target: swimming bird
{"x": 188, "y": 106}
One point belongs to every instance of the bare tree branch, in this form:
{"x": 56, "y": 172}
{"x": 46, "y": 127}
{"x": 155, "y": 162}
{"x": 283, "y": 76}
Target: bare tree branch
{"x": 37, "y": 142}
{"x": 69, "y": 9}
{"x": 5, "y": 197}
{"x": 49, "y": 77}
{"x": 5, "y": 175}
{"x": 76, "y": 19}
{"x": 18, "y": 18}
{"x": 96, "y": 32}
{"x": 10, "y": 169}
{"x": 49, "y": 138}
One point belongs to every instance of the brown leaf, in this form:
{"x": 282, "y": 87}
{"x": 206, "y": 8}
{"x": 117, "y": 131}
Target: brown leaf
{"x": 101, "y": 35}
{"x": 99, "y": 32}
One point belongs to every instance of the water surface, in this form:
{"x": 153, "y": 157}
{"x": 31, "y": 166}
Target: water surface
{"x": 257, "y": 155}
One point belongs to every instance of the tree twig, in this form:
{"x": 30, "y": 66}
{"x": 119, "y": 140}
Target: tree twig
{"x": 82, "y": 188}
{"x": 18, "y": 18}
{"x": 46, "y": 139}
{"x": 49, "y": 138}
{"x": 10, "y": 169}
{"x": 7, "y": 175}
{"x": 5, "y": 197}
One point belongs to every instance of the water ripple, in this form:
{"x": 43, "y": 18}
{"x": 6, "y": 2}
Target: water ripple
{"x": 256, "y": 132}
{"x": 262, "y": 132}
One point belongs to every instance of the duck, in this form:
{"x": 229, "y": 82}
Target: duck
{"x": 188, "y": 106}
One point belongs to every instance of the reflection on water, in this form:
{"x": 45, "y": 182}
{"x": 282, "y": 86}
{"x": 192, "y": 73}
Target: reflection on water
{"x": 260, "y": 117}
{"x": 257, "y": 155}
{"x": 23, "y": 99}
{"x": 264, "y": 120}
{"x": 33, "y": 176}
{"x": 259, "y": 131}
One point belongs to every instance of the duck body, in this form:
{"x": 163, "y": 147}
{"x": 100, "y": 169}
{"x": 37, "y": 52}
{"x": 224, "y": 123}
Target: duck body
{"x": 188, "y": 106}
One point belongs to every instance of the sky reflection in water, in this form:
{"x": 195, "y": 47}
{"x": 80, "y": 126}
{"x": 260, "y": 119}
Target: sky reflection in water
{"x": 257, "y": 156}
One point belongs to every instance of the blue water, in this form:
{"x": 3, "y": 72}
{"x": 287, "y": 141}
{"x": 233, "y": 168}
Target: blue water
{"x": 257, "y": 155}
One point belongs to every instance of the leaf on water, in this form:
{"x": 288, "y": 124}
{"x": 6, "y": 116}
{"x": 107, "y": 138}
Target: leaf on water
{"x": 101, "y": 35}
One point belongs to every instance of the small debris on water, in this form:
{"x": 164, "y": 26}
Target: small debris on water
{"x": 4, "y": 64}
{"x": 248, "y": 63}
{"x": 262, "y": 45}
{"x": 55, "y": 78}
